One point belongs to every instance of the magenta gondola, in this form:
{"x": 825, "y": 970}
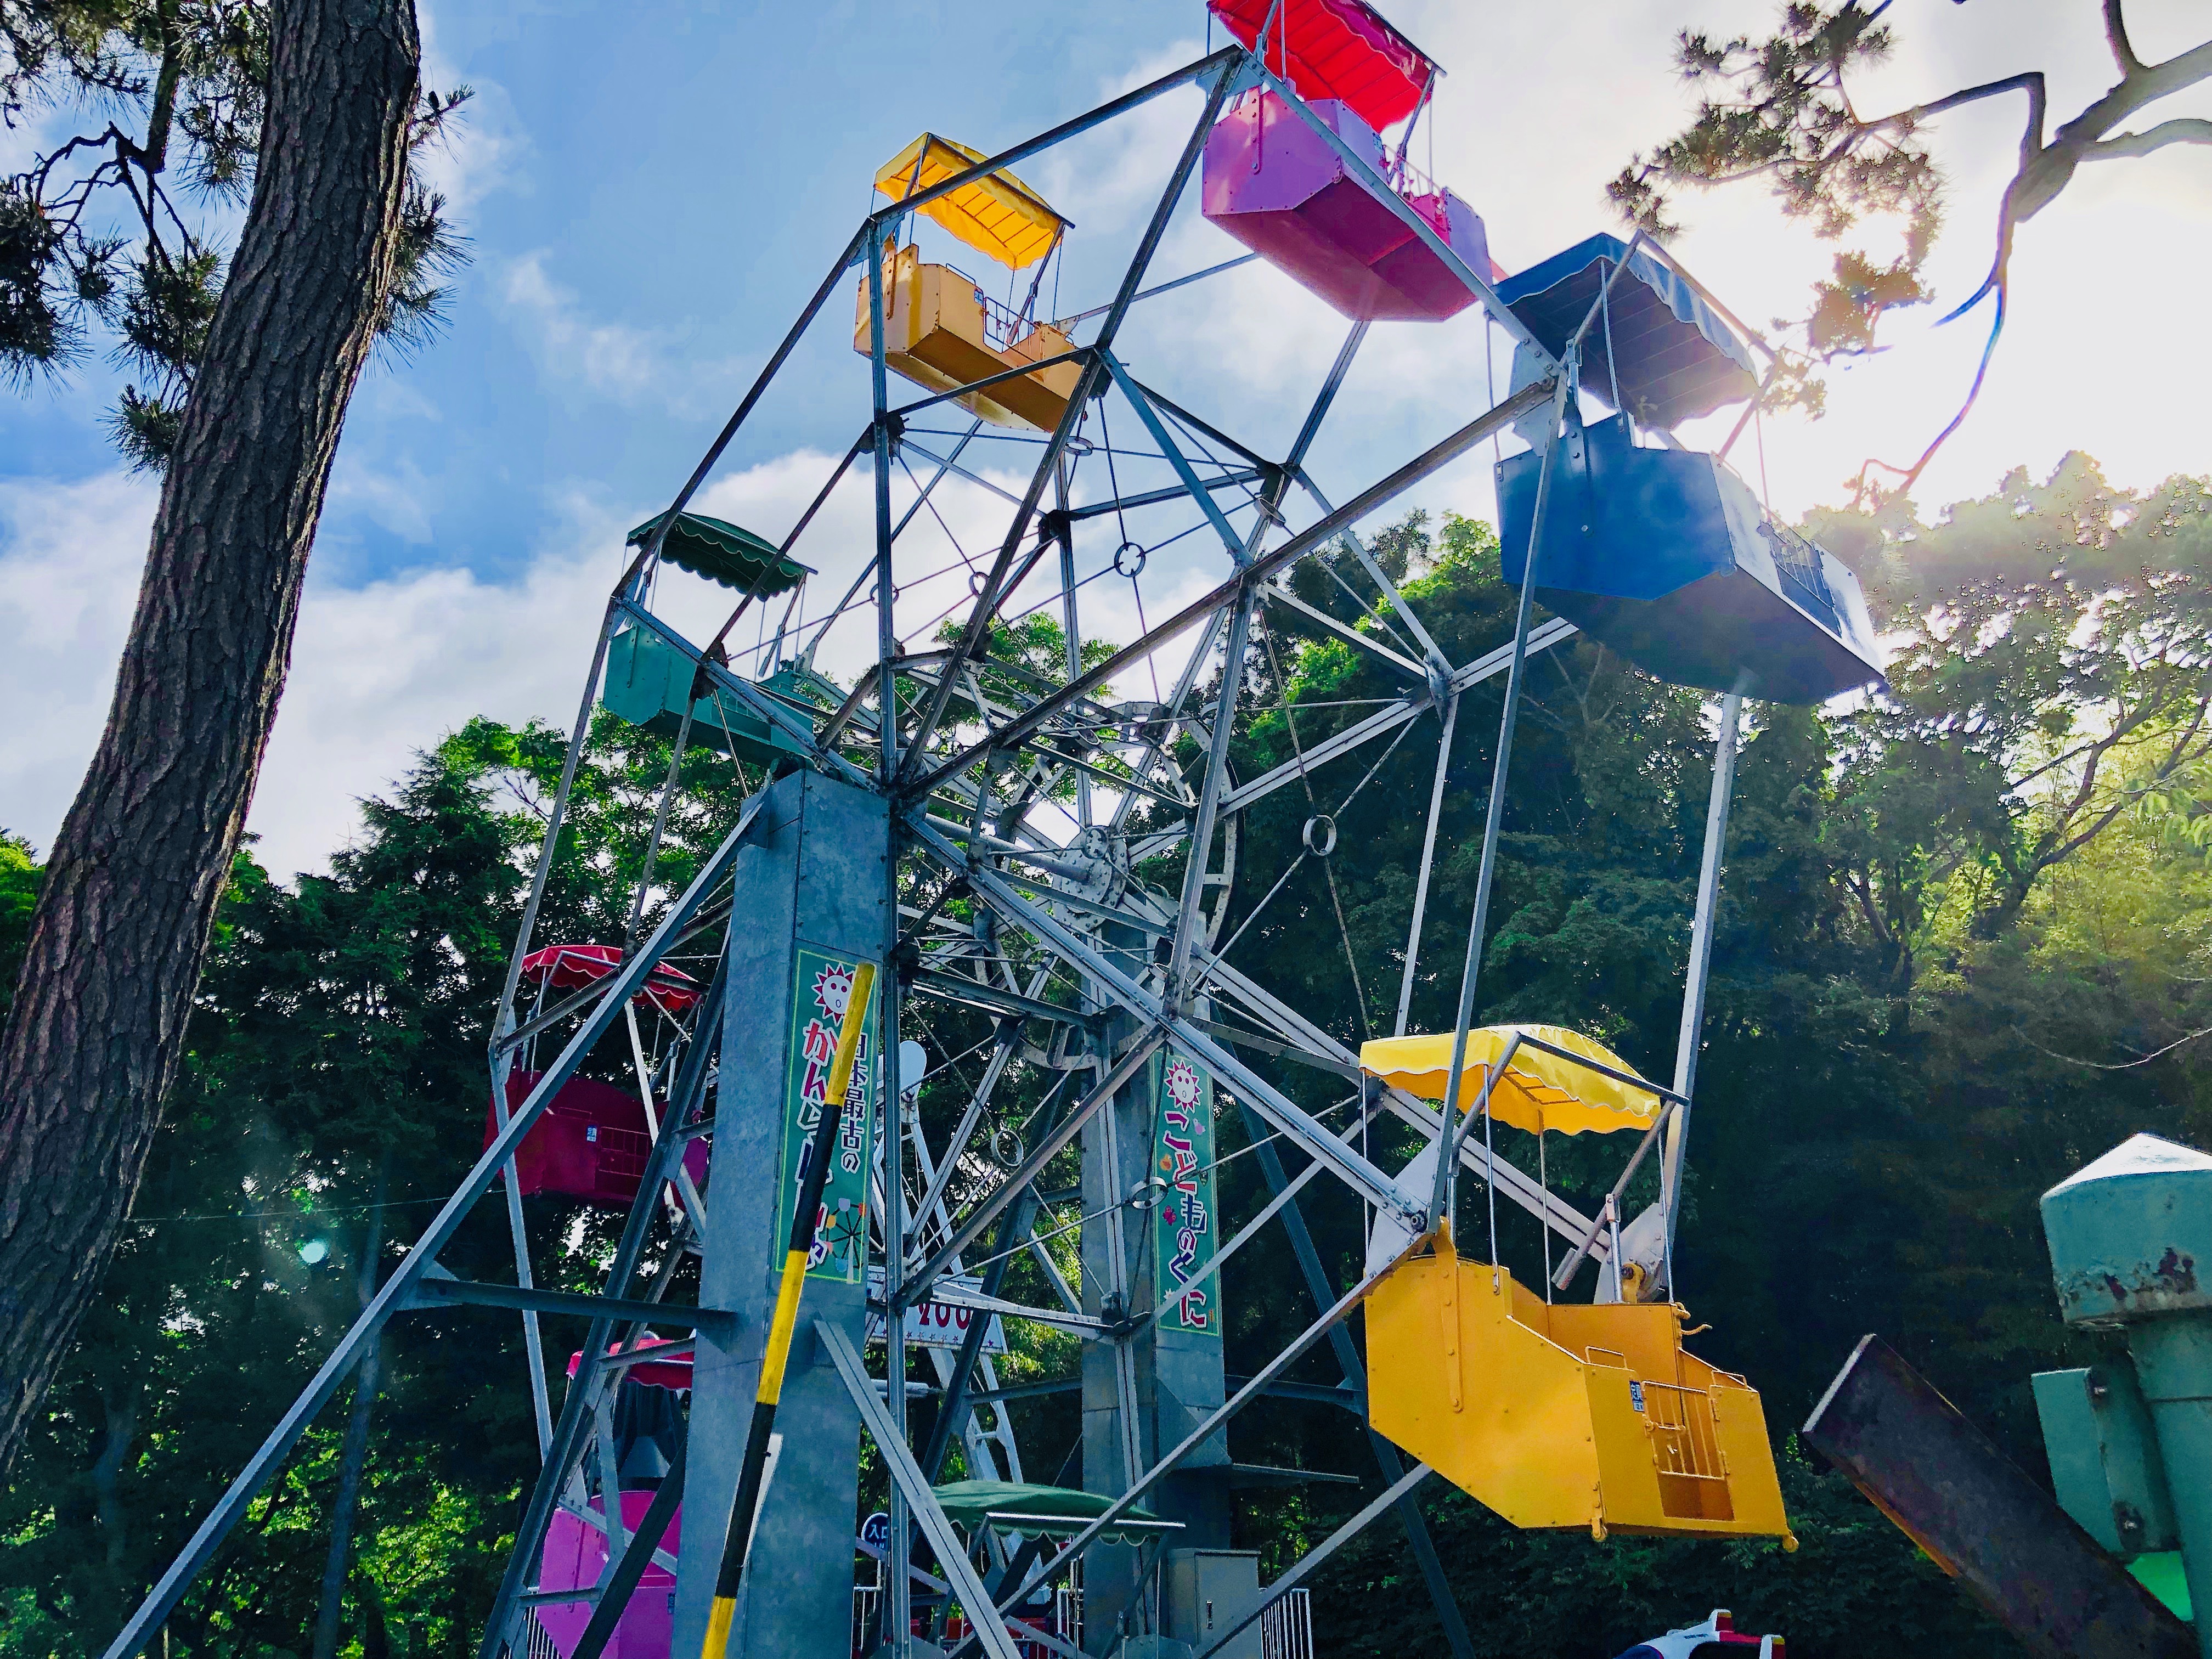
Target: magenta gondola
{"x": 1337, "y": 217}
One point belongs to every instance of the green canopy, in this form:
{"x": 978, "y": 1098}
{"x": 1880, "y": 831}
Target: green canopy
{"x": 723, "y": 552}
{"x": 1052, "y": 1511}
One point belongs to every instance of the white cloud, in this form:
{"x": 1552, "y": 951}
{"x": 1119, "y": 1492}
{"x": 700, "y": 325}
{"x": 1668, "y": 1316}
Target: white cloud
{"x": 393, "y": 499}
{"x": 70, "y": 559}
{"x": 383, "y": 672}
{"x": 486, "y": 148}
{"x": 613, "y": 358}
{"x": 573, "y": 349}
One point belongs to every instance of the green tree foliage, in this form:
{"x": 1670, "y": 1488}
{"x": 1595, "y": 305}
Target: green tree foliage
{"x": 106, "y": 229}
{"x": 337, "y": 1040}
{"x": 1961, "y": 952}
{"x": 19, "y": 890}
{"x": 1782, "y": 108}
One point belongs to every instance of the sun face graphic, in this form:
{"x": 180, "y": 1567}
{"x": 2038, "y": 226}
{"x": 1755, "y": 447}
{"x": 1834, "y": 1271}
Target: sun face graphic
{"x": 832, "y": 989}
{"x": 1182, "y": 1084}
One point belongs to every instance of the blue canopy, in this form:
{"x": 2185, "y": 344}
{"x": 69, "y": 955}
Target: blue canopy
{"x": 1673, "y": 356}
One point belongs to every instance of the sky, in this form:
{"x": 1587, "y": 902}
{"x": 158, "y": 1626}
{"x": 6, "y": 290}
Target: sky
{"x": 652, "y": 191}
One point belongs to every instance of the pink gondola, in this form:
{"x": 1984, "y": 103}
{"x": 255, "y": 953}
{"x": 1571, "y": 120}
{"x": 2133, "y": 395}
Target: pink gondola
{"x": 1284, "y": 190}
{"x": 575, "y": 1553}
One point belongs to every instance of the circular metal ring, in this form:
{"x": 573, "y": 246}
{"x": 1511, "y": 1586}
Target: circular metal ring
{"x": 977, "y": 581}
{"x": 1006, "y": 1148}
{"x": 1080, "y": 446}
{"x": 1147, "y": 1193}
{"x": 1125, "y": 566}
{"x": 1320, "y": 835}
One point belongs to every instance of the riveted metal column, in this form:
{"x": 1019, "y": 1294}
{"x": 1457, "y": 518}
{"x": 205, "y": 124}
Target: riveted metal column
{"x": 809, "y": 897}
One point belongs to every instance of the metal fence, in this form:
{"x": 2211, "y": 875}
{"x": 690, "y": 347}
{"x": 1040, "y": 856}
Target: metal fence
{"x": 538, "y": 1642}
{"x": 1286, "y": 1627}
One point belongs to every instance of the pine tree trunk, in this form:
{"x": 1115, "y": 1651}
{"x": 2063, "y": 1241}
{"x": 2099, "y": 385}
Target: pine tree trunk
{"x": 123, "y": 921}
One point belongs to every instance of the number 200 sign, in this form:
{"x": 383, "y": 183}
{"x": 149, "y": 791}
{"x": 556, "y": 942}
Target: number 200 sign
{"x": 935, "y": 1324}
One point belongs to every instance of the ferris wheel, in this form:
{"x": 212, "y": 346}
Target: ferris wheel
{"x": 1039, "y": 829}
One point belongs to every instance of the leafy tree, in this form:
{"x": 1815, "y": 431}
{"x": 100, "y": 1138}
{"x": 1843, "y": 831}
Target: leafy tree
{"x": 19, "y": 891}
{"x": 1781, "y": 108}
{"x": 2052, "y": 670}
{"x": 250, "y": 362}
{"x": 336, "y": 1050}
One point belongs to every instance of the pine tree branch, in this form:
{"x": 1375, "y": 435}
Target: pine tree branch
{"x": 2187, "y": 130}
{"x": 2116, "y": 36}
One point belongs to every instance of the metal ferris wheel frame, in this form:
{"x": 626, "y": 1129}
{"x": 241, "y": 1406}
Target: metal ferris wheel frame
{"x": 962, "y": 753}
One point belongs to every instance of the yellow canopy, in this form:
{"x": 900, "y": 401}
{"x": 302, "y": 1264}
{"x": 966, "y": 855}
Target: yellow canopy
{"x": 998, "y": 215}
{"x": 1539, "y": 1091}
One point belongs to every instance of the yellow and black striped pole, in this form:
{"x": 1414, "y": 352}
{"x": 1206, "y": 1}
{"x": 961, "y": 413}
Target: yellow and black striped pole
{"x": 815, "y": 1177}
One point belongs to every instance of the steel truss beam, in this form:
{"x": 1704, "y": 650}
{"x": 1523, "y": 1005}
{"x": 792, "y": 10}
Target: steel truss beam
{"x": 1151, "y": 1012}
{"x": 1400, "y": 1492}
{"x": 1524, "y": 402}
{"x": 439, "y": 1291}
{"x": 1258, "y": 1385}
{"x": 1488, "y": 666}
{"x": 890, "y": 1444}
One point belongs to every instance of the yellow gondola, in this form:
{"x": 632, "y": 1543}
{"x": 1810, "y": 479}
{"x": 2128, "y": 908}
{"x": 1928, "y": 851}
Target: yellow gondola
{"x": 1558, "y": 1414}
{"x": 940, "y": 329}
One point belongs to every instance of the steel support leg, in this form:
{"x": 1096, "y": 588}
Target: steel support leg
{"x": 1695, "y": 977}
{"x": 1494, "y": 819}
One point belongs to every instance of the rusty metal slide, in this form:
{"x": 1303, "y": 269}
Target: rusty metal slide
{"x": 1983, "y": 1522}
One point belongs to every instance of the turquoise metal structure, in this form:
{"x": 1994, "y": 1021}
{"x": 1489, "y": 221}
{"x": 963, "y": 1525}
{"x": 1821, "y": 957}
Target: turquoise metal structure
{"x": 2127, "y": 1236}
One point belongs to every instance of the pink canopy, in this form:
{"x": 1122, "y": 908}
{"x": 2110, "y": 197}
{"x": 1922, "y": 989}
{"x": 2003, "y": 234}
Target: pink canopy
{"x": 567, "y": 966}
{"x": 1340, "y": 49}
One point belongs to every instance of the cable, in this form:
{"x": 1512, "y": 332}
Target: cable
{"x": 1335, "y": 900}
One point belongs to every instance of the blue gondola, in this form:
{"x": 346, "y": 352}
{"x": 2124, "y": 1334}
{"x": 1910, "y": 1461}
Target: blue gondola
{"x": 1665, "y": 555}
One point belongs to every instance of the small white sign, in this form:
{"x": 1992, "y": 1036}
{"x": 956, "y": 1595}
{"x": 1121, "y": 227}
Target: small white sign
{"x": 935, "y": 1324}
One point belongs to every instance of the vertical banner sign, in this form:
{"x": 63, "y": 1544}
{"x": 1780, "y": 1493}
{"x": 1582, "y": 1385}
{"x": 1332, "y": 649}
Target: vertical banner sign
{"x": 1187, "y": 1231}
{"x": 823, "y": 984}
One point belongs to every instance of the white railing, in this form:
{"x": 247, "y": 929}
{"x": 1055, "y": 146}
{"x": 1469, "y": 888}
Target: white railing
{"x": 1286, "y": 1627}
{"x": 1067, "y": 1612}
{"x": 537, "y": 1640}
{"x": 866, "y": 1599}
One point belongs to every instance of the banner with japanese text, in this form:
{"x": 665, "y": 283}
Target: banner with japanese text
{"x": 824, "y": 984}
{"x": 1186, "y": 1232}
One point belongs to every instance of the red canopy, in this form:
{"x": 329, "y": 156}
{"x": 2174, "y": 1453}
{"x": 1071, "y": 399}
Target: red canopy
{"x": 669, "y": 989}
{"x": 672, "y": 1371}
{"x": 1340, "y": 49}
